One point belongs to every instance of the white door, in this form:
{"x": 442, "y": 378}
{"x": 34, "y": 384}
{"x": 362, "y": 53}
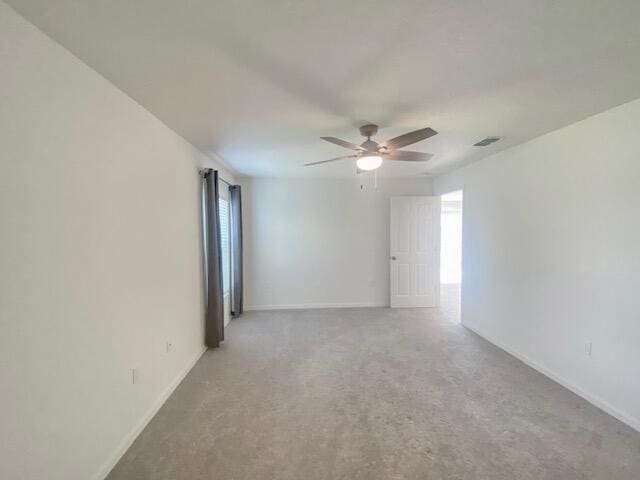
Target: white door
{"x": 415, "y": 251}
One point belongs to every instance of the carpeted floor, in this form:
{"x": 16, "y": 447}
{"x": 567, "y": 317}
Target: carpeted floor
{"x": 373, "y": 394}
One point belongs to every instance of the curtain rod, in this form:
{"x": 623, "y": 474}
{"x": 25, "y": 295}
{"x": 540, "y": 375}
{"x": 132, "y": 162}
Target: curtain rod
{"x": 205, "y": 170}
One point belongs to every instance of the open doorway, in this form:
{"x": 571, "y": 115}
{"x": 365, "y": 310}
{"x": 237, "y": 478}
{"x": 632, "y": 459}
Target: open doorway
{"x": 451, "y": 252}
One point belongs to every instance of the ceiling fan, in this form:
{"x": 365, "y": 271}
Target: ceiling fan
{"x": 370, "y": 154}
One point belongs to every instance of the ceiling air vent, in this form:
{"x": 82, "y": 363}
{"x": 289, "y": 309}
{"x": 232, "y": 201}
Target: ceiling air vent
{"x": 486, "y": 141}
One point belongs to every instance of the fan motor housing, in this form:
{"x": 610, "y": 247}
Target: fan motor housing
{"x": 369, "y": 145}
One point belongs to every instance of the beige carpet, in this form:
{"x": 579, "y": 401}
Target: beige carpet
{"x": 373, "y": 394}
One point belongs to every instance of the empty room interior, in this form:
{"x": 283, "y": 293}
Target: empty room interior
{"x": 353, "y": 239}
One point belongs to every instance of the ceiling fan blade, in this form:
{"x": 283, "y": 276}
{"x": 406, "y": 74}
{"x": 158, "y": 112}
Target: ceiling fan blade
{"x": 409, "y": 138}
{"x": 407, "y": 156}
{"x": 343, "y": 143}
{"x": 330, "y": 160}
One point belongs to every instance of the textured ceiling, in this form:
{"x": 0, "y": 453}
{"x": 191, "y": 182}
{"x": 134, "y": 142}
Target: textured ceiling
{"x": 258, "y": 82}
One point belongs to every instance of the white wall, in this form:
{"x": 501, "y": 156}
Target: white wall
{"x": 100, "y": 261}
{"x": 551, "y": 255}
{"x": 319, "y": 242}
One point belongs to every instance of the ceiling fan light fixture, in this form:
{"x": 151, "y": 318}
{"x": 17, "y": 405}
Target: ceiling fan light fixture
{"x": 369, "y": 154}
{"x": 370, "y": 162}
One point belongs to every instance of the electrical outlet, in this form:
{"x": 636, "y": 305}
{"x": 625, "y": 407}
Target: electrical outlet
{"x": 169, "y": 346}
{"x": 587, "y": 348}
{"x": 135, "y": 376}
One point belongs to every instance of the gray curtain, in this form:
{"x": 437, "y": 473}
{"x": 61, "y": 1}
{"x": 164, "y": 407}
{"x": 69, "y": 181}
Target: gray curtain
{"x": 236, "y": 250}
{"x": 214, "y": 319}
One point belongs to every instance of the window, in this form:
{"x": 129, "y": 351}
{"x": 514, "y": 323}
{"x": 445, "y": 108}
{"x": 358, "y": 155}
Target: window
{"x": 225, "y": 243}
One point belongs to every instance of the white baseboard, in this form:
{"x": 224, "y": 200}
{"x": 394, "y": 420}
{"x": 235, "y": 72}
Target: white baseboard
{"x": 593, "y": 399}
{"x": 307, "y": 306}
{"x": 133, "y": 434}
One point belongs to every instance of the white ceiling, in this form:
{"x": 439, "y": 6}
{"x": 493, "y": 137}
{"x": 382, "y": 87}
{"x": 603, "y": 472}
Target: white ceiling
{"x": 259, "y": 81}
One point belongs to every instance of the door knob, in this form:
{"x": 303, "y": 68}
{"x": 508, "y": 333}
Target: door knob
{"x": 393, "y": 258}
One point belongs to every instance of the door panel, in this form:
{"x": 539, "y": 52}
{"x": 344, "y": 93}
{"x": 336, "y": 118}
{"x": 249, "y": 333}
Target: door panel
{"x": 422, "y": 274}
{"x": 404, "y": 271}
{"x": 415, "y": 251}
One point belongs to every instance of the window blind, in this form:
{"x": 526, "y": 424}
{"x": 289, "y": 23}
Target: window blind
{"x": 223, "y": 206}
